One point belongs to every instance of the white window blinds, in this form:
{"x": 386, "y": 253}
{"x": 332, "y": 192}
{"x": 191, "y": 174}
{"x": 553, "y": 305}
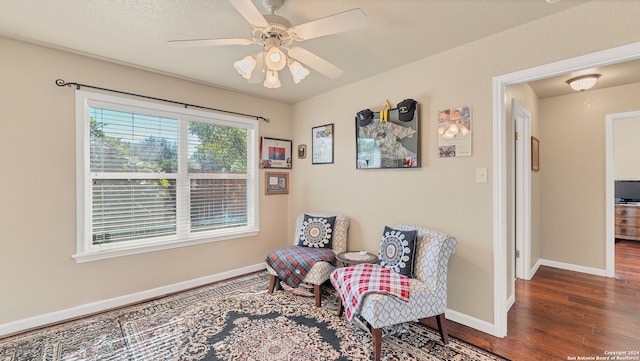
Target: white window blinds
{"x": 153, "y": 176}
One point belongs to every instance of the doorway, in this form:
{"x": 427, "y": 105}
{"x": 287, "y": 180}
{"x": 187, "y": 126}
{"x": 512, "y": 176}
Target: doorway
{"x": 521, "y": 118}
{"x": 611, "y": 120}
{"x": 500, "y": 196}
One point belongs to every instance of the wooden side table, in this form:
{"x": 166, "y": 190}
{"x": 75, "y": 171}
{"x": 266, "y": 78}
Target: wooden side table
{"x": 350, "y": 259}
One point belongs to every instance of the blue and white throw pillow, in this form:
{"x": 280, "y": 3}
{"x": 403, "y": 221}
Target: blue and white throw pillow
{"x": 397, "y": 250}
{"x": 316, "y": 232}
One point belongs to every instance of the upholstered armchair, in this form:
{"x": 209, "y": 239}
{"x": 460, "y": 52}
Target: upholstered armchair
{"x": 428, "y": 289}
{"x": 320, "y": 271}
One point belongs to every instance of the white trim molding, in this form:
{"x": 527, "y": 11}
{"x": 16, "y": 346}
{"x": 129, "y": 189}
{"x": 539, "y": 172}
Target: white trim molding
{"x": 610, "y": 120}
{"x": 500, "y": 278}
{"x": 109, "y": 304}
{"x": 572, "y": 267}
{"x": 470, "y": 321}
{"x": 169, "y": 221}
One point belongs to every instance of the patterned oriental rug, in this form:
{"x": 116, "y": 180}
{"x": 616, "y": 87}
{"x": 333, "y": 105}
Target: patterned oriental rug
{"x": 229, "y": 320}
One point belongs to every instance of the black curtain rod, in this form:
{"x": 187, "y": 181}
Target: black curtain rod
{"x": 60, "y": 82}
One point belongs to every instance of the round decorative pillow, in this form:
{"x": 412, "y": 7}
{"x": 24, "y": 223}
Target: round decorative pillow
{"x": 317, "y": 232}
{"x": 397, "y": 250}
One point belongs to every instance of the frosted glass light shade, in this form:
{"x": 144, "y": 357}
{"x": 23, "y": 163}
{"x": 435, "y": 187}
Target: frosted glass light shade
{"x": 583, "y": 82}
{"x": 275, "y": 59}
{"x": 272, "y": 81}
{"x": 298, "y": 71}
{"x": 245, "y": 66}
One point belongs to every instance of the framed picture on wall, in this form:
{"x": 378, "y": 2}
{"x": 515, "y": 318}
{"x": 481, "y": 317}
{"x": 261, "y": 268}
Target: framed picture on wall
{"x": 302, "y": 151}
{"x": 454, "y": 132}
{"x": 275, "y": 153}
{"x": 322, "y": 144}
{"x": 388, "y": 139}
{"x": 276, "y": 183}
{"x": 535, "y": 154}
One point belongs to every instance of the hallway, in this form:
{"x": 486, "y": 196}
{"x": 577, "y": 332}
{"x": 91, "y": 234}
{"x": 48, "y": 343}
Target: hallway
{"x": 562, "y": 314}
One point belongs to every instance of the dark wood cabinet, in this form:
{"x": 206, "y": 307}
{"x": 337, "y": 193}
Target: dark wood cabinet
{"x": 628, "y": 221}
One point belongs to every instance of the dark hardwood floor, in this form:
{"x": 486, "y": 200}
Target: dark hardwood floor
{"x": 564, "y": 315}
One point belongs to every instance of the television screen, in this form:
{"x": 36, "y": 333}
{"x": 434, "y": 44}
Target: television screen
{"x": 627, "y": 191}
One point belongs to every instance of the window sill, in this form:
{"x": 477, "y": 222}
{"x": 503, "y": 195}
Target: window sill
{"x": 100, "y": 253}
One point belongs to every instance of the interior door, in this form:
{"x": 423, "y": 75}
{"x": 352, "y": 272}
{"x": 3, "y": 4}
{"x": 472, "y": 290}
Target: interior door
{"x": 521, "y": 118}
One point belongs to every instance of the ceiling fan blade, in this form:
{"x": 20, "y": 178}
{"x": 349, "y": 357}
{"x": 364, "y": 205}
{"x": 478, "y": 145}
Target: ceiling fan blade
{"x": 209, "y": 42}
{"x": 250, "y": 12}
{"x": 315, "y": 62}
{"x": 345, "y": 21}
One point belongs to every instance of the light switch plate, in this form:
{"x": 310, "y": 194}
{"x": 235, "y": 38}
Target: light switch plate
{"x": 481, "y": 175}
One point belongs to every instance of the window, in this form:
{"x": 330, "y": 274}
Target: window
{"x": 152, "y": 176}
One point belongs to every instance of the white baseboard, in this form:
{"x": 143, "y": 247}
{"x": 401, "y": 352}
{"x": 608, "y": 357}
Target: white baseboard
{"x": 104, "y": 305}
{"x": 510, "y": 302}
{"x": 571, "y": 267}
{"x": 534, "y": 269}
{"x": 470, "y": 321}
{"x": 488, "y": 327}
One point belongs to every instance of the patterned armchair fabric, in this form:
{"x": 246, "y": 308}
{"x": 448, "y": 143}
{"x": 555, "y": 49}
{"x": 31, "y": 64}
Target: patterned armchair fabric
{"x": 428, "y": 289}
{"x": 320, "y": 271}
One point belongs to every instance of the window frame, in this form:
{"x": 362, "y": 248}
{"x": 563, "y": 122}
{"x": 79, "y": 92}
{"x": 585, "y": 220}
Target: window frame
{"x": 86, "y": 251}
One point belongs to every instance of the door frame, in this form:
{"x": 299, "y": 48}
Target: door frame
{"x": 500, "y": 209}
{"x": 521, "y": 202}
{"x": 610, "y": 120}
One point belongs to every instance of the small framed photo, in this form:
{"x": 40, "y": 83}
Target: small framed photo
{"x": 302, "y": 151}
{"x": 275, "y": 153}
{"x": 322, "y": 144}
{"x": 535, "y": 154}
{"x": 276, "y": 183}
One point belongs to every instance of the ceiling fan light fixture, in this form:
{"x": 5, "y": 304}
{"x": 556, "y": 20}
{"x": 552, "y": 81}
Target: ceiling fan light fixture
{"x": 272, "y": 81}
{"x": 275, "y": 33}
{"x": 298, "y": 71}
{"x": 275, "y": 59}
{"x": 245, "y": 66}
{"x": 583, "y": 82}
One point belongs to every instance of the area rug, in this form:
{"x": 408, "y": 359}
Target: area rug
{"x": 231, "y": 320}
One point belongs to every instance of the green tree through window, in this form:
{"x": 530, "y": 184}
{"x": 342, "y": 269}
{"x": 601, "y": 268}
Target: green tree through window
{"x": 219, "y": 148}
{"x": 156, "y": 178}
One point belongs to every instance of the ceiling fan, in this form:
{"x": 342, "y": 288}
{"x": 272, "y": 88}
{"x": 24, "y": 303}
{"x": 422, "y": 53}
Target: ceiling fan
{"x": 276, "y": 34}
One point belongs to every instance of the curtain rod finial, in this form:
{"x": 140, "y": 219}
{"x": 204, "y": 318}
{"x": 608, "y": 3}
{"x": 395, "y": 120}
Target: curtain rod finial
{"x": 60, "y": 82}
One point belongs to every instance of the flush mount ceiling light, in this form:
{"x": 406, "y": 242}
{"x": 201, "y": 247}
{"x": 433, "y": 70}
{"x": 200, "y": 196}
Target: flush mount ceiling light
{"x": 583, "y": 82}
{"x": 275, "y": 33}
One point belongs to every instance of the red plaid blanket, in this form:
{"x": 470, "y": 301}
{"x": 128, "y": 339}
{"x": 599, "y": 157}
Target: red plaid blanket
{"x": 355, "y": 282}
{"x": 293, "y": 263}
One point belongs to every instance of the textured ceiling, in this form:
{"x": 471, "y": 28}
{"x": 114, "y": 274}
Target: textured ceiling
{"x": 136, "y": 33}
{"x": 612, "y": 75}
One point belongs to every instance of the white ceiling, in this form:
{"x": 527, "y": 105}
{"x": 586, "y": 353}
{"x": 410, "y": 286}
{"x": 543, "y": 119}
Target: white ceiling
{"x": 136, "y": 33}
{"x": 611, "y": 75}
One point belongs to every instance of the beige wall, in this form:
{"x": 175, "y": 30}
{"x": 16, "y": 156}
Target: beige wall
{"x": 626, "y": 148}
{"x": 37, "y": 187}
{"x": 442, "y": 194}
{"x": 572, "y": 168}
{"x": 36, "y": 120}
